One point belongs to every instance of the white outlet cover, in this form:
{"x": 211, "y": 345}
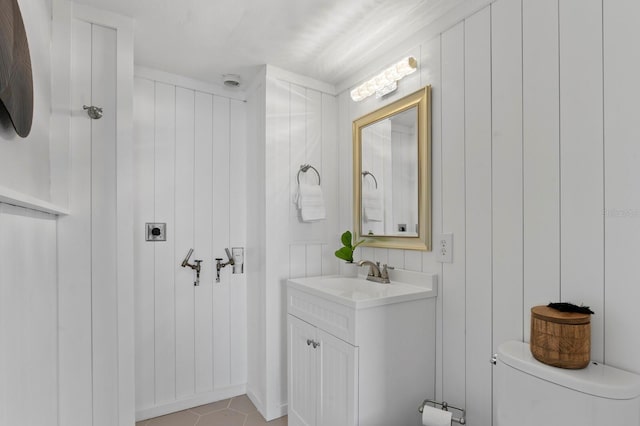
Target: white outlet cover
{"x": 444, "y": 248}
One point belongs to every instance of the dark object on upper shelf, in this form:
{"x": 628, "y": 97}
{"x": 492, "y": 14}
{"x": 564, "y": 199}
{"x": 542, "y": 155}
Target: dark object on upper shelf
{"x": 16, "y": 79}
{"x": 570, "y": 307}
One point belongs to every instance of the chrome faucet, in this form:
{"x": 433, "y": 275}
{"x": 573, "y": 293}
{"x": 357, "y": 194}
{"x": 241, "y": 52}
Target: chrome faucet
{"x": 220, "y": 264}
{"x": 195, "y": 267}
{"x": 375, "y": 274}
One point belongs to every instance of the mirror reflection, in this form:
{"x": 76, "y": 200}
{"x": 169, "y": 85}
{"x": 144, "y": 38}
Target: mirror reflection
{"x": 392, "y": 174}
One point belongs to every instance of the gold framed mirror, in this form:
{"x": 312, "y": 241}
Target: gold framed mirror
{"x": 392, "y": 174}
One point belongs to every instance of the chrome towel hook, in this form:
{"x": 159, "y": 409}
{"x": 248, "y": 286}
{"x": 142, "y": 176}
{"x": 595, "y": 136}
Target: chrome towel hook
{"x": 94, "y": 112}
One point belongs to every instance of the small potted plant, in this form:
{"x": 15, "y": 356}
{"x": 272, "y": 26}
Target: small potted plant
{"x": 348, "y": 247}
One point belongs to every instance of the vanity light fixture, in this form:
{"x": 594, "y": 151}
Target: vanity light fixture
{"x": 385, "y": 82}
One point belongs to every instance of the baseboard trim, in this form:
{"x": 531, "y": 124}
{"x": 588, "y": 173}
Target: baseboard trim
{"x": 283, "y": 410}
{"x": 280, "y": 411}
{"x": 190, "y": 402}
{"x": 257, "y": 402}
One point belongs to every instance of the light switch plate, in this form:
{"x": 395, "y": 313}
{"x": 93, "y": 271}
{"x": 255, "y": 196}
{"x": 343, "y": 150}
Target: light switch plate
{"x": 156, "y": 231}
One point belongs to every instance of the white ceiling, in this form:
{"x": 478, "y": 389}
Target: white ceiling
{"x": 324, "y": 39}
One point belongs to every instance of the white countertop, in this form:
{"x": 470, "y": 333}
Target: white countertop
{"x": 358, "y": 293}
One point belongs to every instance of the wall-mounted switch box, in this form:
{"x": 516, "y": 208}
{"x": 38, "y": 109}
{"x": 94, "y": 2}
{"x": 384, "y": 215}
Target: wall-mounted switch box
{"x": 238, "y": 259}
{"x": 444, "y": 248}
{"x": 156, "y": 231}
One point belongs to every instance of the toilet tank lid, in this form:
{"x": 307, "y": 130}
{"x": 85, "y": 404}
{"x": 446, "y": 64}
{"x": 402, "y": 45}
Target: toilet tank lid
{"x": 596, "y": 379}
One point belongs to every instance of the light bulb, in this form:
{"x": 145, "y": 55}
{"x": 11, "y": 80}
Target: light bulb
{"x": 386, "y": 81}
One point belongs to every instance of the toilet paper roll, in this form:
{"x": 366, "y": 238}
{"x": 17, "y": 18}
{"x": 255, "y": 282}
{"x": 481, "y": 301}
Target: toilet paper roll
{"x": 435, "y": 417}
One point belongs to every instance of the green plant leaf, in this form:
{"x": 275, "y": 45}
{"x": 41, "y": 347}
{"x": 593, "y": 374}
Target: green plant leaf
{"x": 346, "y": 239}
{"x": 345, "y": 253}
{"x": 358, "y": 243}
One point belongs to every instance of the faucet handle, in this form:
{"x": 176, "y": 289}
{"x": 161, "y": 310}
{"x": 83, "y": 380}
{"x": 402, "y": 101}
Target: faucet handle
{"x": 230, "y": 257}
{"x": 385, "y": 270}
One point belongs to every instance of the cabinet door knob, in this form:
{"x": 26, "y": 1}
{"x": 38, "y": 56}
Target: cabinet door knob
{"x": 309, "y": 342}
{"x": 315, "y": 344}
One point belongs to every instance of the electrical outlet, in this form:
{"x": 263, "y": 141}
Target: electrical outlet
{"x": 156, "y": 231}
{"x": 444, "y": 248}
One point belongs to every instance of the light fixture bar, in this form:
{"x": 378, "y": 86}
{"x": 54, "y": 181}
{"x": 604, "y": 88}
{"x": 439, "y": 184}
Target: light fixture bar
{"x": 386, "y": 81}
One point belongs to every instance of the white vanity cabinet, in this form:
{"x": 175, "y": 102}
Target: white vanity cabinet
{"x": 359, "y": 353}
{"x": 322, "y": 376}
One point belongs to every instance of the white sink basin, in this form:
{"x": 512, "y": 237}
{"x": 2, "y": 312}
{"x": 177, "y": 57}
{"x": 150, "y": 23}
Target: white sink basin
{"x": 359, "y": 293}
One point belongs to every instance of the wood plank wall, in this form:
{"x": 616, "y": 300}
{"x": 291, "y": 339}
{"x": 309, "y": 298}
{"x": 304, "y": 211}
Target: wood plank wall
{"x": 190, "y": 149}
{"x": 28, "y": 317}
{"x": 300, "y": 128}
{"x": 93, "y": 257}
{"x": 535, "y": 173}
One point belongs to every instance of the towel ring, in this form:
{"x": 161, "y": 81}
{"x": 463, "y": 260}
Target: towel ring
{"x": 304, "y": 168}
{"x": 364, "y": 175}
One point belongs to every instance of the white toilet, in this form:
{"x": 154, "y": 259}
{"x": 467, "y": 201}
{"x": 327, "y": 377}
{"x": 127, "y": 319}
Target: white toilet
{"x": 530, "y": 393}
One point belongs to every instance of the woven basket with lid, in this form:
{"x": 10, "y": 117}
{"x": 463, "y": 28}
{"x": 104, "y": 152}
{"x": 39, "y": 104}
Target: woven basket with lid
{"x": 561, "y": 339}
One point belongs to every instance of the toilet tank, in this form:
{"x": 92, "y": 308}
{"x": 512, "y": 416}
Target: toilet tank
{"x": 530, "y": 393}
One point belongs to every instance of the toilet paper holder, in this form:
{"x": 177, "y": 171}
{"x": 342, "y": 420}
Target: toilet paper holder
{"x": 445, "y": 407}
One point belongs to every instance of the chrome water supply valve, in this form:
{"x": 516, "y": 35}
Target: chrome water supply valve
{"x": 220, "y": 264}
{"x": 196, "y": 267}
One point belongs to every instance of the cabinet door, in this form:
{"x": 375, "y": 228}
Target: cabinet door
{"x": 303, "y": 379}
{"x": 338, "y": 376}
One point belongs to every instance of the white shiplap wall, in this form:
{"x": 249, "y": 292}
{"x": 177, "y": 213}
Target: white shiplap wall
{"x": 255, "y": 267}
{"x": 299, "y": 127}
{"x": 535, "y": 169}
{"x": 28, "y": 317}
{"x": 95, "y": 251}
{"x": 29, "y": 374}
{"x": 190, "y": 149}
{"x": 621, "y": 91}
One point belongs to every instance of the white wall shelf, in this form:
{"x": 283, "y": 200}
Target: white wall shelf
{"x": 15, "y": 198}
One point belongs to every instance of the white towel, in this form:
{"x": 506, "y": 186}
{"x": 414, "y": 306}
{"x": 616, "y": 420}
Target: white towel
{"x": 311, "y": 203}
{"x": 372, "y": 205}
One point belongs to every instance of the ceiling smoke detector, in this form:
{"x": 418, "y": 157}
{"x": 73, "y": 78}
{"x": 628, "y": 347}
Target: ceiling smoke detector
{"x": 231, "y": 80}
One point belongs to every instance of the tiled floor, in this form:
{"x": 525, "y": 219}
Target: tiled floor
{"x": 238, "y": 411}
